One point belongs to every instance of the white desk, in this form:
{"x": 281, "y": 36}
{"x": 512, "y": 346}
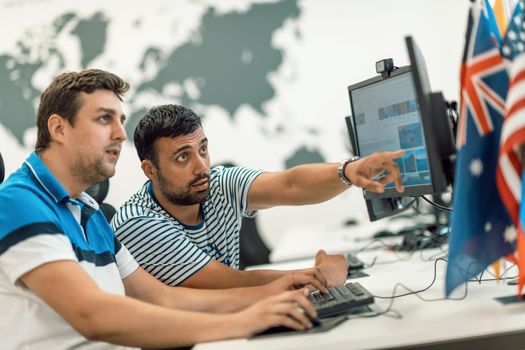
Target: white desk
{"x": 446, "y": 324}
{"x": 303, "y": 242}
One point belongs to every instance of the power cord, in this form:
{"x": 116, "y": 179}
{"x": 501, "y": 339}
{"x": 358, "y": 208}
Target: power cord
{"x": 394, "y": 296}
{"x": 449, "y": 210}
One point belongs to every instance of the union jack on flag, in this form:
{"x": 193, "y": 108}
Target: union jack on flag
{"x": 482, "y": 230}
{"x": 510, "y": 167}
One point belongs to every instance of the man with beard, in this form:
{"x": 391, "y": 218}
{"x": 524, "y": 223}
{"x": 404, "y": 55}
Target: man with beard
{"x": 65, "y": 280}
{"x": 183, "y": 225}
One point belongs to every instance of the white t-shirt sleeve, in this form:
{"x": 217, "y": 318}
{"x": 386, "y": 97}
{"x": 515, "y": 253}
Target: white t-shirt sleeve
{"x": 125, "y": 262}
{"x": 235, "y": 184}
{"x": 33, "y": 252}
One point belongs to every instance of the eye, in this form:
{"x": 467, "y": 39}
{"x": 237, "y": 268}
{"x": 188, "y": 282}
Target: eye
{"x": 204, "y": 149}
{"x": 105, "y": 118}
{"x": 182, "y": 158}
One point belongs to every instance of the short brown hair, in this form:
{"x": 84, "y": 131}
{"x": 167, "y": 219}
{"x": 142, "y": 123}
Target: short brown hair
{"x": 62, "y": 97}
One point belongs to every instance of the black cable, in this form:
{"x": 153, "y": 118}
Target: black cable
{"x": 412, "y": 202}
{"x": 412, "y": 292}
{"x": 436, "y": 205}
{"x": 369, "y": 244}
{"x": 398, "y": 258}
{"x": 373, "y": 313}
{"x": 393, "y": 297}
{"x": 481, "y": 279}
{"x": 407, "y": 257}
{"x": 433, "y": 257}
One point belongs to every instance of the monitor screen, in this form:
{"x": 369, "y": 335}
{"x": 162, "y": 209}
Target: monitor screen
{"x": 379, "y": 208}
{"x": 386, "y": 117}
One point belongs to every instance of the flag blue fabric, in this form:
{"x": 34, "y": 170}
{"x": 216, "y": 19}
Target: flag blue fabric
{"x": 480, "y": 222}
{"x": 489, "y": 13}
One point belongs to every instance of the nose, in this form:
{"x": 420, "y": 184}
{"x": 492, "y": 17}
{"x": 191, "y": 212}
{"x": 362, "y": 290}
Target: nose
{"x": 201, "y": 165}
{"x": 119, "y": 132}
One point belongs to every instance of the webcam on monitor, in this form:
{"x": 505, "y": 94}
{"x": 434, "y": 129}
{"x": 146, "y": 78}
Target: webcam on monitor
{"x": 385, "y": 67}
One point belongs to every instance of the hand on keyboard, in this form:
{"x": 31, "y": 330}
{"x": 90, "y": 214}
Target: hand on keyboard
{"x": 283, "y": 329}
{"x": 289, "y": 309}
{"x": 311, "y": 277}
{"x": 340, "y": 300}
{"x": 334, "y": 267}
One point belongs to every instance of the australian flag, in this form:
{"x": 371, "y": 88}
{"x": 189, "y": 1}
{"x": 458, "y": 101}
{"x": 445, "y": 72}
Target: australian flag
{"x": 482, "y": 230}
{"x": 510, "y": 165}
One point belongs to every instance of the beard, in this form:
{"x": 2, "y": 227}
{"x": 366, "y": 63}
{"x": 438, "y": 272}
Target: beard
{"x": 183, "y": 196}
{"x": 92, "y": 172}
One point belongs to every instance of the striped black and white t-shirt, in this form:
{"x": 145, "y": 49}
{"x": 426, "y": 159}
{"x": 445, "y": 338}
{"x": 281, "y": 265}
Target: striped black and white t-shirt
{"x": 172, "y": 251}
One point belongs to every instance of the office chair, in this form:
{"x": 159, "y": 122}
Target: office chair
{"x": 252, "y": 249}
{"x": 99, "y": 192}
{"x": 2, "y": 169}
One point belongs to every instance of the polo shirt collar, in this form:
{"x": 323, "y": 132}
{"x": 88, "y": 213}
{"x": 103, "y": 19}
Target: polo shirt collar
{"x": 51, "y": 185}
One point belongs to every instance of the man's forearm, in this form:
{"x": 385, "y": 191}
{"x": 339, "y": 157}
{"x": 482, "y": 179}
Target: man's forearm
{"x": 314, "y": 183}
{"x": 262, "y": 277}
{"x": 122, "y": 320}
{"x": 211, "y": 300}
{"x": 215, "y": 275}
{"x": 301, "y": 185}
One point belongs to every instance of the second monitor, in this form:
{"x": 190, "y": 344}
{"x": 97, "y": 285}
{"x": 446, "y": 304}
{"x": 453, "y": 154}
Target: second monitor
{"x": 391, "y": 113}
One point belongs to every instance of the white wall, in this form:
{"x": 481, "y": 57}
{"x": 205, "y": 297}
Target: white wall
{"x": 340, "y": 42}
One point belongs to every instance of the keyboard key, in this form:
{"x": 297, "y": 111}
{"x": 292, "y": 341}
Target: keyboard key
{"x": 341, "y": 300}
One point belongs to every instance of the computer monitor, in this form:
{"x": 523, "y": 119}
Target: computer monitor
{"x": 438, "y": 122}
{"x": 398, "y": 111}
{"x": 379, "y": 208}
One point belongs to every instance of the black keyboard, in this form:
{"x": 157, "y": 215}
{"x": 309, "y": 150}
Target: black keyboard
{"x": 354, "y": 263}
{"x": 340, "y": 300}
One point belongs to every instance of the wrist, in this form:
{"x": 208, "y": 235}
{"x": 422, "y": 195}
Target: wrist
{"x": 236, "y": 326}
{"x": 341, "y": 170}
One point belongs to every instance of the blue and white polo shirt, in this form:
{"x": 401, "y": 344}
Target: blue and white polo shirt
{"x": 172, "y": 251}
{"x": 40, "y": 223}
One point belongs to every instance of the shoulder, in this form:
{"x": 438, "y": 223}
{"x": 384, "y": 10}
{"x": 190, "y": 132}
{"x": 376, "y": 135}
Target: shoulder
{"x": 235, "y": 173}
{"x": 23, "y": 203}
{"x": 139, "y": 209}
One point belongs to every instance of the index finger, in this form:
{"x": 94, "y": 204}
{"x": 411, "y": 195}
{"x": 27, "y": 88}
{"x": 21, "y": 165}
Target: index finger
{"x": 394, "y": 154}
{"x": 313, "y": 281}
{"x": 307, "y": 306}
{"x": 394, "y": 174}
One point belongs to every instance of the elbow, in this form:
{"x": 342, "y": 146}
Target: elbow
{"x": 88, "y": 329}
{"x": 90, "y": 325}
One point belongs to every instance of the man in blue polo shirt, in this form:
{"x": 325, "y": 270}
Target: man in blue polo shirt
{"x": 65, "y": 280}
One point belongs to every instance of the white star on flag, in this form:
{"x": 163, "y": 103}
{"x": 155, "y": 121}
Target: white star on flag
{"x": 510, "y": 234}
{"x": 488, "y": 226}
{"x": 476, "y": 167}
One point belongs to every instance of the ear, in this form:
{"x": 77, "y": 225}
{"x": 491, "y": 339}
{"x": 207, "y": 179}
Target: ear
{"x": 149, "y": 169}
{"x": 56, "y": 126}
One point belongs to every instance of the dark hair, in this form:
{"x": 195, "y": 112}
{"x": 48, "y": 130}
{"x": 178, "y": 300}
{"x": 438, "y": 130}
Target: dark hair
{"x": 163, "y": 121}
{"x": 62, "y": 97}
